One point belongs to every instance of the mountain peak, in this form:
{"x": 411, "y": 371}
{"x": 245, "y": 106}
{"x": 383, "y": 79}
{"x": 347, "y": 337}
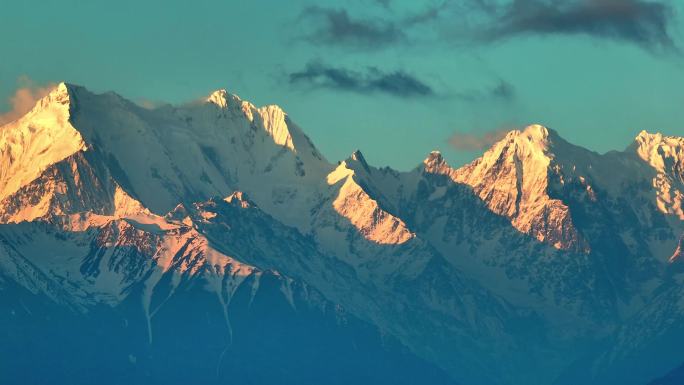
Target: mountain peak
{"x": 646, "y": 139}
{"x": 348, "y": 167}
{"x": 655, "y": 148}
{"x": 645, "y": 136}
{"x": 536, "y": 131}
{"x": 61, "y": 95}
{"x": 535, "y": 134}
{"x": 434, "y": 163}
{"x": 219, "y": 98}
{"x": 433, "y": 156}
{"x": 512, "y": 178}
{"x": 62, "y": 89}
{"x": 40, "y": 138}
{"x": 358, "y": 157}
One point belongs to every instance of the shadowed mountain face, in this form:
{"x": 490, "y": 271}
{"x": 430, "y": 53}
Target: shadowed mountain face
{"x": 674, "y": 377}
{"x": 212, "y": 243}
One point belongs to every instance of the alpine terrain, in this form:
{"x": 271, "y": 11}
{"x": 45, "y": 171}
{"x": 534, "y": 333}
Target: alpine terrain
{"x": 212, "y": 243}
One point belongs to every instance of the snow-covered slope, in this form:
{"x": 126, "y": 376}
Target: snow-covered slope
{"x": 539, "y": 251}
{"x": 41, "y": 138}
{"x": 151, "y": 283}
{"x": 167, "y": 155}
{"x": 513, "y": 179}
{"x": 666, "y": 155}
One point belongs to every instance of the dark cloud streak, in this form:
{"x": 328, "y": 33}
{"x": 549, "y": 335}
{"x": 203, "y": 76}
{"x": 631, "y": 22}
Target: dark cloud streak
{"x": 644, "y": 23}
{"x": 372, "y": 80}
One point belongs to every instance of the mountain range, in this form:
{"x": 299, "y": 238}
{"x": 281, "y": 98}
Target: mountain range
{"x": 211, "y": 242}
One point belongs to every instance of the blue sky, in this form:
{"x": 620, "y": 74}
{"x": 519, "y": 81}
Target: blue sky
{"x": 394, "y": 78}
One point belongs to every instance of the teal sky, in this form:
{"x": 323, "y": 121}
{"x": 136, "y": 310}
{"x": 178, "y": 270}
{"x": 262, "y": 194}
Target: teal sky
{"x": 597, "y": 74}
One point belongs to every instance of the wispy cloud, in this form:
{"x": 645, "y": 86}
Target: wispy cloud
{"x": 370, "y": 80}
{"x": 24, "y": 98}
{"x": 476, "y": 141}
{"x": 641, "y": 22}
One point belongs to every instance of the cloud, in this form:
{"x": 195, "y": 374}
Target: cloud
{"x": 641, "y": 22}
{"x": 371, "y": 80}
{"x": 645, "y": 23}
{"x": 476, "y": 141}
{"x": 24, "y": 98}
{"x": 336, "y": 27}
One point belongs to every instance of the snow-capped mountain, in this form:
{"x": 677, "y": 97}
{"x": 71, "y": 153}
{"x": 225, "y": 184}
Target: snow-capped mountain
{"x": 213, "y": 236}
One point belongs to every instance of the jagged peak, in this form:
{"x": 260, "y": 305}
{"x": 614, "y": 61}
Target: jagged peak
{"x": 512, "y": 178}
{"x": 61, "y": 95}
{"x": 654, "y": 148}
{"x": 435, "y": 163}
{"x": 222, "y": 99}
{"x": 358, "y": 157}
{"x": 535, "y": 143}
{"x": 64, "y": 96}
{"x": 434, "y": 153}
{"x": 355, "y": 163}
{"x": 647, "y": 138}
{"x": 62, "y": 89}
{"x": 219, "y": 98}
{"x": 535, "y": 134}
{"x": 42, "y": 137}
{"x": 531, "y": 146}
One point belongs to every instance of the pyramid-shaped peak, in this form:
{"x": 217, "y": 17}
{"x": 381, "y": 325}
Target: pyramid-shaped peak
{"x": 61, "y": 94}
{"x": 358, "y": 156}
{"x": 62, "y": 88}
